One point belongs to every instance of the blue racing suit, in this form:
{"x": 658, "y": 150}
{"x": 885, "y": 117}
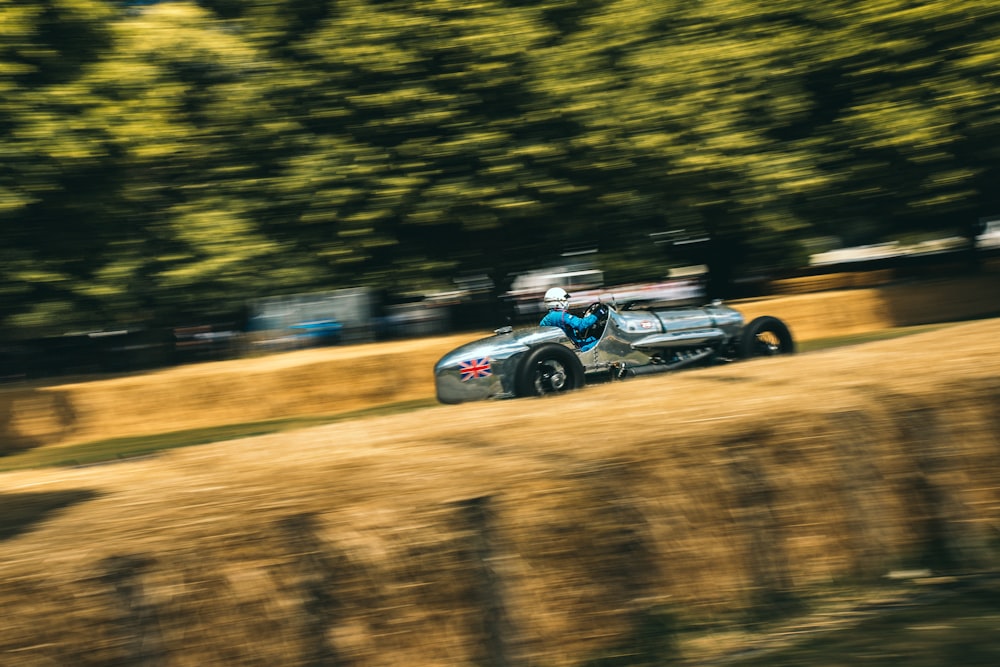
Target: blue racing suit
{"x": 573, "y": 326}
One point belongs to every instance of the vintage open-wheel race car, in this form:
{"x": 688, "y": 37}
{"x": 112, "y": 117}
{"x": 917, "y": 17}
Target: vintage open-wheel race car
{"x": 536, "y": 361}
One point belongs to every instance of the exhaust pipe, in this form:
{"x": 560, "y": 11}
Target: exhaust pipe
{"x": 688, "y": 359}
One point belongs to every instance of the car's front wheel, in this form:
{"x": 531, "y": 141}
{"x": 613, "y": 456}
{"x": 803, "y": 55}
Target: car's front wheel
{"x": 549, "y": 369}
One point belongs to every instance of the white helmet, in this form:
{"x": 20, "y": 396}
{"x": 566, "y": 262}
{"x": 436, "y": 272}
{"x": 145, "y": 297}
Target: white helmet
{"x": 556, "y": 298}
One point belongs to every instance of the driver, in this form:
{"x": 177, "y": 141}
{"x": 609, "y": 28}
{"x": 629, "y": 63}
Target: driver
{"x": 556, "y": 300}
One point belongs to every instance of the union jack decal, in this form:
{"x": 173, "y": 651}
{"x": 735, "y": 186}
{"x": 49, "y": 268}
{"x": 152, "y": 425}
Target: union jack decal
{"x": 474, "y": 369}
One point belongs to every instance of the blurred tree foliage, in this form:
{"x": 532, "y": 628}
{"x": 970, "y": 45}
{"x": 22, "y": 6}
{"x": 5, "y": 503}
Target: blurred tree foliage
{"x": 167, "y": 160}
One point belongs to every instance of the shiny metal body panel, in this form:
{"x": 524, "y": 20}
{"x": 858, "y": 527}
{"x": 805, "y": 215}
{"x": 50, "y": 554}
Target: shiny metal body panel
{"x": 503, "y": 352}
{"x": 634, "y": 337}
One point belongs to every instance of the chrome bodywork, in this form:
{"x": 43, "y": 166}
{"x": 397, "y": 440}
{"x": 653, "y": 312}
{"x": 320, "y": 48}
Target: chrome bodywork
{"x": 639, "y": 337}
{"x": 630, "y": 341}
{"x": 503, "y": 350}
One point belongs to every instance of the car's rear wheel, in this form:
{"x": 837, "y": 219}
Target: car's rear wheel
{"x": 549, "y": 369}
{"x": 766, "y": 336}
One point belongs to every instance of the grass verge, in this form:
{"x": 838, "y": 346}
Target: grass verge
{"x": 117, "y": 449}
{"x": 817, "y": 344}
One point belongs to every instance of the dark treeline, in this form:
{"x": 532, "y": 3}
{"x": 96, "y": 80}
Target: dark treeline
{"x": 166, "y": 160}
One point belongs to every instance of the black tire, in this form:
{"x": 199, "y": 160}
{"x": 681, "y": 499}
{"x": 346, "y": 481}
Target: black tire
{"x": 766, "y": 336}
{"x": 549, "y": 369}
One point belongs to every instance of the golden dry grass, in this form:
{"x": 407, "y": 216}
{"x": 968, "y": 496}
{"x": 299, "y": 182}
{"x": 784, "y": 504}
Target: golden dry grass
{"x": 543, "y": 532}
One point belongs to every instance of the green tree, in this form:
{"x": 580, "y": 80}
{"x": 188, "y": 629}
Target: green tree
{"x": 168, "y": 161}
{"x": 688, "y": 102}
{"x": 432, "y": 155}
{"x": 54, "y": 184}
{"x": 906, "y": 98}
{"x": 185, "y": 104}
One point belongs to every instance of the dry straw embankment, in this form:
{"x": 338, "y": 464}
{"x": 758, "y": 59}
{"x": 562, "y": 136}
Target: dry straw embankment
{"x": 549, "y": 532}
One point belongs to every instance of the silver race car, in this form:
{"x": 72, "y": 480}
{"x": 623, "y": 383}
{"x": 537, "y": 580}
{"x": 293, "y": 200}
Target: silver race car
{"x": 544, "y": 360}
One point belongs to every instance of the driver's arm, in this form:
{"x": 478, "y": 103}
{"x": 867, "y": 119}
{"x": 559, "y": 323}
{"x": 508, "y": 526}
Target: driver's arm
{"x": 580, "y": 324}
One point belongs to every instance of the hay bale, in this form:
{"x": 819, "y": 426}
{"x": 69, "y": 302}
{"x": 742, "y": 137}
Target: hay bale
{"x": 314, "y": 382}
